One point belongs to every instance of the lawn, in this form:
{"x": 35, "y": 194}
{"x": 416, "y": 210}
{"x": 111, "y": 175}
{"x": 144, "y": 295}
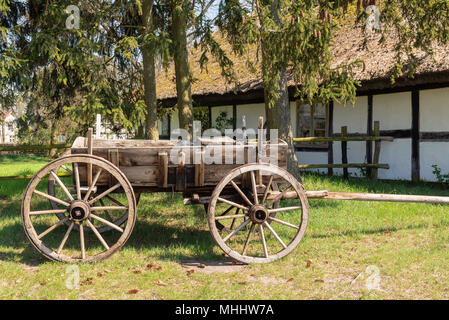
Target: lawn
{"x": 352, "y": 250}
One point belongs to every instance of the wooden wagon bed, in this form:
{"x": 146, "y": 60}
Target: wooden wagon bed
{"x": 163, "y": 165}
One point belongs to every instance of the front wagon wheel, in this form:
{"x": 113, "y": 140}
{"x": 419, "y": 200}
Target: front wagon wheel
{"x": 87, "y": 206}
{"x": 264, "y": 211}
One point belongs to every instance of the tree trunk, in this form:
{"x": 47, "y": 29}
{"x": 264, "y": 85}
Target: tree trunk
{"x": 182, "y": 70}
{"x": 3, "y": 131}
{"x": 52, "y": 152}
{"x": 149, "y": 76}
{"x": 278, "y": 117}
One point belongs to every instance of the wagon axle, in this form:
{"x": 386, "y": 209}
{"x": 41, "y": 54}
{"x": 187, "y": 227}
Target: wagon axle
{"x": 79, "y": 210}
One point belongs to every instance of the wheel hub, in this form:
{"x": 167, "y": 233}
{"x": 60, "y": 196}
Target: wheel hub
{"x": 79, "y": 210}
{"x": 258, "y": 214}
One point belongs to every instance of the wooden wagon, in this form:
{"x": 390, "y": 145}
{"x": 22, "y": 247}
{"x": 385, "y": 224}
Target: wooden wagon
{"x": 82, "y": 207}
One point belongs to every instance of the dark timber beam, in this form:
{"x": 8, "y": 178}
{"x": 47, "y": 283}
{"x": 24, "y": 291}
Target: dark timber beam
{"x": 369, "y": 132}
{"x": 415, "y": 137}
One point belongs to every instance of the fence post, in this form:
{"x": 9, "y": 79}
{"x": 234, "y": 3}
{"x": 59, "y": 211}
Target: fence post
{"x": 376, "y": 150}
{"x": 344, "y": 151}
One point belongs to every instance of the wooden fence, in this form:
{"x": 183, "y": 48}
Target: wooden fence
{"x": 344, "y": 138}
{"x": 23, "y": 148}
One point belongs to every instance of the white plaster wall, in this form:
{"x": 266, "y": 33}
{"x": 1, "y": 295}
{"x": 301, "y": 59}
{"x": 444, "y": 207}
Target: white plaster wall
{"x": 393, "y": 111}
{"x": 398, "y": 155}
{"x": 356, "y": 154}
{"x": 312, "y": 158}
{"x": 431, "y": 153}
{"x": 217, "y": 110}
{"x": 434, "y": 116}
{"x": 434, "y": 110}
{"x": 355, "y": 118}
{"x": 252, "y": 113}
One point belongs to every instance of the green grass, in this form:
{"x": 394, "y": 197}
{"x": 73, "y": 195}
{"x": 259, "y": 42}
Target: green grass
{"x": 408, "y": 243}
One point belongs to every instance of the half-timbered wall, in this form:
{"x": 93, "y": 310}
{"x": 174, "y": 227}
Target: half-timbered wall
{"x": 418, "y": 119}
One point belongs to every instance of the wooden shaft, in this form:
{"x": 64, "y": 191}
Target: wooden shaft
{"x": 347, "y": 165}
{"x": 347, "y": 138}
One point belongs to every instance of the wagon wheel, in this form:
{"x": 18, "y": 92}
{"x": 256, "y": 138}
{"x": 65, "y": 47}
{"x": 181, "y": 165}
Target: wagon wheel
{"x": 48, "y": 233}
{"x": 252, "y": 234}
{"x": 52, "y": 187}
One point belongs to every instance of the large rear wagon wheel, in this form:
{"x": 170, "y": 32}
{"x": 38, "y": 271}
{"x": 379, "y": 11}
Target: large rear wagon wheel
{"x": 52, "y": 230}
{"x": 264, "y": 211}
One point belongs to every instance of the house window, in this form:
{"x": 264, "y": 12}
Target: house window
{"x": 10, "y": 126}
{"x": 61, "y": 139}
{"x": 164, "y": 127}
{"x": 311, "y": 122}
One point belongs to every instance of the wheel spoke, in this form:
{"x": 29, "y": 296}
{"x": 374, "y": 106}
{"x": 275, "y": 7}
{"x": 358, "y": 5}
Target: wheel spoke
{"x": 275, "y": 234}
{"x": 254, "y": 185}
{"x": 35, "y": 213}
{"x": 53, "y": 227}
{"x": 49, "y": 197}
{"x": 107, "y": 208}
{"x": 233, "y": 221}
{"x": 230, "y": 217}
{"x": 106, "y": 222}
{"x": 240, "y": 192}
{"x": 83, "y": 247}
{"x": 106, "y": 212}
{"x": 104, "y": 193}
{"x": 278, "y": 197}
{"x": 94, "y": 182}
{"x": 115, "y": 201}
{"x": 66, "y": 236}
{"x": 284, "y": 209}
{"x": 77, "y": 180}
{"x": 248, "y": 239}
{"x": 232, "y": 203}
{"x": 265, "y": 195}
{"x": 92, "y": 227}
{"x": 229, "y": 236}
{"x": 264, "y": 243}
{"x": 67, "y": 169}
{"x": 63, "y": 187}
{"x": 284, "y": 223}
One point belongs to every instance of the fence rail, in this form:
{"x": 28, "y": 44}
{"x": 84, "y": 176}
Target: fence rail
{"x": 38, "y": 147}
{"x": 344, "y": 138}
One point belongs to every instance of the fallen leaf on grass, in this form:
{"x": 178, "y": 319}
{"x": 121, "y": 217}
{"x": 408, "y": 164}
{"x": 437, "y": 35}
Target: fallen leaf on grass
{"x": 133, "y": 291}
{"x": 137, "y": 271}
{"x": 99, "y": 274}
{"x": 161, "y": 283}
{"x": 43, "y": 283}
{"x": 154, "y": 266}
{"x": 243, "y": 282}
{"x": 202, "y": 266}
{"x": 319, "y": 280}
{"x": 189, "y": 272}
{"x": 290, "y": 280}
{"x": 309, "y": 263}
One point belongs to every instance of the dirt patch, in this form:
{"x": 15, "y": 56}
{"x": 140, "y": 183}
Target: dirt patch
{"x": 225, "y": 266}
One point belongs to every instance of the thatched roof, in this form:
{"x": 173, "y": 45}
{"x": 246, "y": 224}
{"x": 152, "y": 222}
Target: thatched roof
{"x": 379, "y": 60}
